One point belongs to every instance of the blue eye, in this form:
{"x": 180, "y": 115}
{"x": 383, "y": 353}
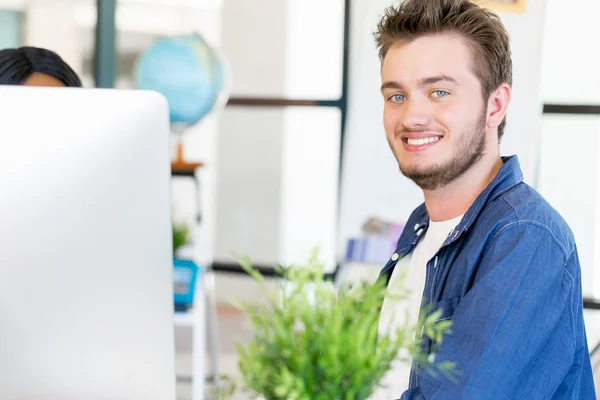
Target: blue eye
{"x": 397, "y": 97}
{"x": 439, "y": 93}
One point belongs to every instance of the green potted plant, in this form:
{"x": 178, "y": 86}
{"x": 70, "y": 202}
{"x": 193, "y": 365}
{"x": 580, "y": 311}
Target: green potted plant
{"x": 312, "y": 341}
{"x": 181, "y": 236}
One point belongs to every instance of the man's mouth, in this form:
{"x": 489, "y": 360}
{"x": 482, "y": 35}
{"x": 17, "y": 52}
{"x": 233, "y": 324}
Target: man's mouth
{"x": 417, "y": 144}
{"x": 421, "y": 141}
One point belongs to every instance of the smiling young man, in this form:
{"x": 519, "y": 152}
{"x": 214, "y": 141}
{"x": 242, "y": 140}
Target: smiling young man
{"x": 484, "y": 247}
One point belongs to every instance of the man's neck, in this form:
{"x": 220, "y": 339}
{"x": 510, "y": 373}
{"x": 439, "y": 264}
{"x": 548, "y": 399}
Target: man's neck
{"x": 456, "y": 198}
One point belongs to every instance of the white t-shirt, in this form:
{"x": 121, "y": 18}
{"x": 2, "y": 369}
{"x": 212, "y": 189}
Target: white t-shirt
{"x": 393, "y": 311}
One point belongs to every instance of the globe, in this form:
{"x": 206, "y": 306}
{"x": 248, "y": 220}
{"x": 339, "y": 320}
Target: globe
{"x": 187, "y": 71}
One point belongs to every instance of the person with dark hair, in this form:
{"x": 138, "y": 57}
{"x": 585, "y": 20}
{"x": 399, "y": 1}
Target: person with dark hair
{"x": 484, "y": 248}
{"x": 34, "y": 66}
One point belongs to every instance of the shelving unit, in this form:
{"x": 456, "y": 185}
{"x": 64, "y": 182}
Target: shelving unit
{"x": 202, "y": 317}
{"x": 195, "y": 318}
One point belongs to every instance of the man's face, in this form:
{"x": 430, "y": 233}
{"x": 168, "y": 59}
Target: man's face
{"x": 434, "y": 114}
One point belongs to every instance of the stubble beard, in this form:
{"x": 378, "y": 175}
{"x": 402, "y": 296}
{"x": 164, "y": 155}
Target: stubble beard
{"x": 466, "y": 154}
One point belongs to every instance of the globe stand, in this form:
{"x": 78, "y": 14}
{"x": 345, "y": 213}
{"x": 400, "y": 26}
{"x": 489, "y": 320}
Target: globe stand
{"x": 179, "y": 165}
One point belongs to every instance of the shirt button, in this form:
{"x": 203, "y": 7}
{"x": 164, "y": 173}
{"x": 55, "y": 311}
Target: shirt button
{"x": 419, "y": 232}
{"x": 395, "y": 257}
{"x": 417, "y": 226}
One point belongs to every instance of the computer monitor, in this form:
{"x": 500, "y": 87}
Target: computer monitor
{"x": 86, "y": 295}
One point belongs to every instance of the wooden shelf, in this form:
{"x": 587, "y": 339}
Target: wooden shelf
{"x": 183, "y": 168}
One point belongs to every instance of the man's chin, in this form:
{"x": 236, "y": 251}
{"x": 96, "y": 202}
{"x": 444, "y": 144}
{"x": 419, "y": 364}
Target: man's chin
{"x": 427, "y": 178}
{"x": 417, "y": 170}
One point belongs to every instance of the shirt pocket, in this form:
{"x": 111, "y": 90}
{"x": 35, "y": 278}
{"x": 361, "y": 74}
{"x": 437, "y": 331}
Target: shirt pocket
{"x": 448, "y": 306}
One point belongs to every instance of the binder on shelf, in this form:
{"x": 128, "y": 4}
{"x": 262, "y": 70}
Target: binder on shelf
{"x": 185, "y": 276}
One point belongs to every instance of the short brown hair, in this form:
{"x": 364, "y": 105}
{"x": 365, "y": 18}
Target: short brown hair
{"x": 485, "y": 33}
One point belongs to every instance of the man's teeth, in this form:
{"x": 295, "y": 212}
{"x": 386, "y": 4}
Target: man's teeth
{"x": 422, "y": 141}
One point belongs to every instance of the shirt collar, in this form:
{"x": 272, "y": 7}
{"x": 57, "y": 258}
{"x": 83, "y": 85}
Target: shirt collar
{"x": 509, "y": 176}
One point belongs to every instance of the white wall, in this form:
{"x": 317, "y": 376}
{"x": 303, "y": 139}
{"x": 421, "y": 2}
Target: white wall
{"x": 313, "y": 64}
{"x": 254, "y": 40}
{"x": 372, "y": 184}
{"x": 278, "y": 167}
{"x": 568, "y": 180}
{"x": 314, "y": 49}
{"x": 524, "y": 120}
{"x": 52, "y": 25}
{"x": 570, "y": 177}
{"x": 570, "y": 64}
{"x": 311, "y": 145}
{"x": 569, "y": 171}
{"x": 250, "y": 140}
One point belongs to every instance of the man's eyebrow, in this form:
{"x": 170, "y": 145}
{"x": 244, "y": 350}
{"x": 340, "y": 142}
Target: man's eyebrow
{"x": 422, "y": 82}
{"x": 391, "y": 85}
{"x": 436, "y": 79}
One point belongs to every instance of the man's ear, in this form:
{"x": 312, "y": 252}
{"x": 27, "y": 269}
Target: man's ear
{"x": 498, "y": 105}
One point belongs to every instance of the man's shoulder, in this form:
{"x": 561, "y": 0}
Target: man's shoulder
{"x": 522, "y": 206}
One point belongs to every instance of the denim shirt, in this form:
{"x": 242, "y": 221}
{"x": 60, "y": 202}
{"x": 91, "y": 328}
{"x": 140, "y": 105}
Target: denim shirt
{"x": 508, "y": 276}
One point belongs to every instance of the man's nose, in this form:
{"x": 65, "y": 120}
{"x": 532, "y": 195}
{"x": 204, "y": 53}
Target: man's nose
{"x": 415, "y": 114}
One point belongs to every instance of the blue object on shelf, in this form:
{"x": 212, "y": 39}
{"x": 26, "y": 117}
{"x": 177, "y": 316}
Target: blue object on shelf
{"x": 185, "y": 275}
